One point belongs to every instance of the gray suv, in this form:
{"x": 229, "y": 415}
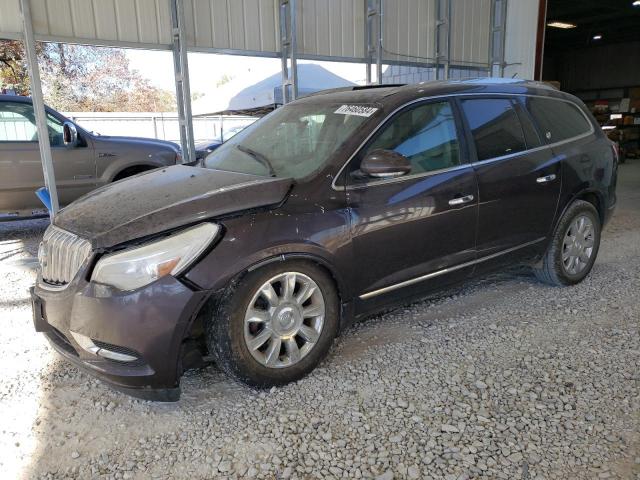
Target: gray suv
{"x": 82, "y": 161}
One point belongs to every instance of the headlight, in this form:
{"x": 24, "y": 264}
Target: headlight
{"x": 142, "y": 265}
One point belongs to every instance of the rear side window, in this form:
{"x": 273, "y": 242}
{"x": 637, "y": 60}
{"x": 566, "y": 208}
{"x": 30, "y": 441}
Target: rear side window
{"x": 558, "y": 120}
{"x": 495, "y": 127}
{"x": 17, "y": 122}
{"x": 530, "y": 133}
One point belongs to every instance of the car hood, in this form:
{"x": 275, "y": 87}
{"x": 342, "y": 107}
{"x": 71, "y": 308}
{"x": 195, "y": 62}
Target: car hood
{"x": 163, "y": 199}
{"x": 148, "y": 142}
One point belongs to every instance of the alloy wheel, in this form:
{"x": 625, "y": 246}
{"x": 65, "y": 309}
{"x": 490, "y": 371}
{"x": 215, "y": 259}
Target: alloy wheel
{"x": 284, "y": 320}
{"x": 578, "y": 243}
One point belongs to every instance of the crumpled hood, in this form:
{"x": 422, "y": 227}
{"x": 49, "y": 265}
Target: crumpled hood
{"x": 163, "y": 199}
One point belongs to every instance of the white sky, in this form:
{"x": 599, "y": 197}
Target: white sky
{"x": 205, "y": 69}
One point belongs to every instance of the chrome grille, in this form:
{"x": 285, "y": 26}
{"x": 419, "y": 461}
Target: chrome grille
{"x": 61, "y": 254}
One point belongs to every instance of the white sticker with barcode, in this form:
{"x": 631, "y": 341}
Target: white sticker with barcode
{"x": 360, "y": 110}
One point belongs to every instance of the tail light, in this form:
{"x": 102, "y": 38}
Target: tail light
{"x": 178, "y": 158}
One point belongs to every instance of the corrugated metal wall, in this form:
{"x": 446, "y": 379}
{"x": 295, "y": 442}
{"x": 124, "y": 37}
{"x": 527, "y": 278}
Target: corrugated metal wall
{"x": 331, "y": 28}
{"x": 409, "y": 30}
{"x": 233, "y": 25}
{"x": 10, "y": 19}
{"x": 145, "y": 22}
{"x": 520, "y": 42}
{"x": 325, "y": 28}
{"x": 470, "y": 29}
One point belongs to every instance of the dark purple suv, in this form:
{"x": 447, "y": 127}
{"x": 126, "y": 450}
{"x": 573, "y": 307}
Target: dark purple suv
{"x": 324, "y": 211}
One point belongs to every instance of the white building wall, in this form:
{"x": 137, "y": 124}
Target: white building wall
{"x": 163, "y": 126}
{"x": 520, "y": 38}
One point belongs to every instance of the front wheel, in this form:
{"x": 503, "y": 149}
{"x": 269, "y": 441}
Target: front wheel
{"x": 277, "y": 324}
{"x": 573, "y": 248}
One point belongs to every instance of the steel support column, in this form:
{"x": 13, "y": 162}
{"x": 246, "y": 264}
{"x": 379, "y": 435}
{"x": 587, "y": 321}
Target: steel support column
{"x": 443, "y": 37}
{"x": 288, "y": 50}
{"x": 373, "y": 38}
{"x": 498, "y": 29}
{"x": 38, "y": 107}
{"x": 181, "y": 71}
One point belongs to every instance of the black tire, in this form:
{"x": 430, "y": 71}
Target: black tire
{"x": 551, "y": 268}
{"x": 225, "y": 330}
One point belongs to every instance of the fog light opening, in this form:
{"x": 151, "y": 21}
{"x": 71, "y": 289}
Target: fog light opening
{"x": 88, "y": 344}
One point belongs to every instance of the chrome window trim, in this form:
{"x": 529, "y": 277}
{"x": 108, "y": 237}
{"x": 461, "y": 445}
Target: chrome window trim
{"x": 437, "y": 273}
{"x": 481, "y": 162}
{"x": 536, "y": 149}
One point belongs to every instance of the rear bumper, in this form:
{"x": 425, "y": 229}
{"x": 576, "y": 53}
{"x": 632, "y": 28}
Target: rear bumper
{"x": 149, "y": 324}
{"x": 609, "y": 213}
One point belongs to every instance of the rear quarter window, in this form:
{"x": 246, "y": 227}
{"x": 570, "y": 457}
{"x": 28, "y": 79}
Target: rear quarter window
{"x": 558, "y": 120}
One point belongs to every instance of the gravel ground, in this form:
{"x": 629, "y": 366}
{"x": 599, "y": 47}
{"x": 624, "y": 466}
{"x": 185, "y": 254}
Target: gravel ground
{"x": 501, "y": 378}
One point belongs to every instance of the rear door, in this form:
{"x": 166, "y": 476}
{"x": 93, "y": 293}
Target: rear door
{"x": 518, "y": 178}
{"x": 408, "y": 231}
{"x": 20, "y": 165}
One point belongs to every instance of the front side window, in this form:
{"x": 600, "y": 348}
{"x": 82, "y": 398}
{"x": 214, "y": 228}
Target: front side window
{"x": 292, "y": 141}
{"x": 425, "y": 134}
{"x": 495, "y": 127}
{"x": 56, "y": 135}
{"x": 18, "y": 124}
{"x": 558, "y": 120}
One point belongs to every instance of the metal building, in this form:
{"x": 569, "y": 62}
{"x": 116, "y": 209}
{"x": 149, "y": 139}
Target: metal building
{"x": 413, "y": 39}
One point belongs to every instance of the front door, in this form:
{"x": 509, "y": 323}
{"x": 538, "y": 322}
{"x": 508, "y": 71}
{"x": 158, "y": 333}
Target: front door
{"x": 518, "y": 178}
{"x": 21, "y": 168}
{"x": 407, "y": 231}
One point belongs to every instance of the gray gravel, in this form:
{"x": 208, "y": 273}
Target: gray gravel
{"x": 501, "y": 378}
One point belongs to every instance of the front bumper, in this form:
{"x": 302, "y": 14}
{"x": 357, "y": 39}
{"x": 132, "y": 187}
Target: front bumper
{"x": 150, "y": 323}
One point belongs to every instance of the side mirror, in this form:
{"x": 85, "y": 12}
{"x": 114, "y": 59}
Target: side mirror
{"x": 385, "y": 164}
{"x": 69, "y": 135}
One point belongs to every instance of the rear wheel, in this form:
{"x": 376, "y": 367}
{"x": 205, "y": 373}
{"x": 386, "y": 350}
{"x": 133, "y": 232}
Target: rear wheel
{"x": 277, "y": 325}
{"x": 573, "y": 248}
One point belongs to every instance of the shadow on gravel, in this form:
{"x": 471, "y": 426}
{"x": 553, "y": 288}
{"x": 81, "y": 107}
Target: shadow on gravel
{"x": 21, "y": 237}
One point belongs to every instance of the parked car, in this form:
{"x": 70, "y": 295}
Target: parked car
{"x": 205, "y": 147}
{"x": 330, "y": 208}
{"x": 82, "y": 160}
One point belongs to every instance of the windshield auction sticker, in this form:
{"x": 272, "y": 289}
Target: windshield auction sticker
{"x": 360, "y": 110}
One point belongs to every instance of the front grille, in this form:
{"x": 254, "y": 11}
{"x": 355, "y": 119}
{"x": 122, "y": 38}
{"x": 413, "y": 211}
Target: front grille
{"x": 61, "y": 254}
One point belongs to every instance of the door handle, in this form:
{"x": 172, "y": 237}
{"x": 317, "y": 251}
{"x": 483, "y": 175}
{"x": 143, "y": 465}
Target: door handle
{"x": 546, "y": 178}
{"x": 460, "y": 200}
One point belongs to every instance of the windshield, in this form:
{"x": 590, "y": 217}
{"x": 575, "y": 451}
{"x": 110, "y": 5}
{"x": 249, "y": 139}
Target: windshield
{"x": 292, "y": 141}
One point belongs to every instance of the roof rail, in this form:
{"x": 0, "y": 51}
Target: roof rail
{"x": 354, "y": 88}
{"x": 384, "y": 85}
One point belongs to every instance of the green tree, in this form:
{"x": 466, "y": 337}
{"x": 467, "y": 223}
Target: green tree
{"x": 82, "y": 78}
{"x": 13, "y": 67}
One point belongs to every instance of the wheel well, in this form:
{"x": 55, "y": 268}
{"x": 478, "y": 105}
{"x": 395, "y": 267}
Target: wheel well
{"x": 594, "y": 200}
{"x": 195, "y": 331}
{"x": 304, "y": 258}
{"x": 130, "y": 171}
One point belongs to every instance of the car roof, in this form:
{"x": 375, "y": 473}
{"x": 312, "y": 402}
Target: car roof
{"x": 393, "y": 94}
{"x": 14, "y": 98}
